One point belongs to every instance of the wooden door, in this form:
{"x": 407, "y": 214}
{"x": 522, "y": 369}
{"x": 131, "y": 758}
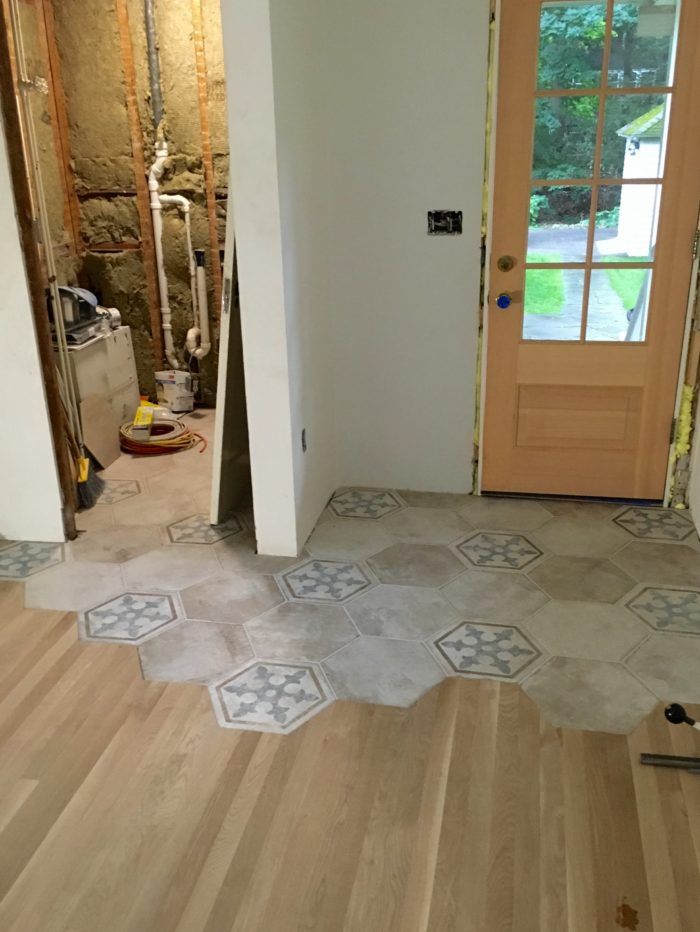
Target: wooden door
{"x": 595, "y": 203}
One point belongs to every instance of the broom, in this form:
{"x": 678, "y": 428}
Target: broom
{"x": 89, "y": 485}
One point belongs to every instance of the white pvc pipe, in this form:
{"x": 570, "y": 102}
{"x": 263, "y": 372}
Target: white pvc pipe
{"x": 154, "y": 177}
{"x": 205, "y": 346}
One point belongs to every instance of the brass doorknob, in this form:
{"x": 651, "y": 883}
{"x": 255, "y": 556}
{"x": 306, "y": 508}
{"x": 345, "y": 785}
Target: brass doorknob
{"x": 506, "y": 263}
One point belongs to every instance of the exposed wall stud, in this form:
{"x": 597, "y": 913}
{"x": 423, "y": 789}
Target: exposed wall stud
{"x": 142, "y": 197}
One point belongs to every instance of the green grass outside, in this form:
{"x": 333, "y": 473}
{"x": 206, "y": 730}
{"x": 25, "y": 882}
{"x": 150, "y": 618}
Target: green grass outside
{"x": 544, "y": 288}
{"x": 626, "y": 283}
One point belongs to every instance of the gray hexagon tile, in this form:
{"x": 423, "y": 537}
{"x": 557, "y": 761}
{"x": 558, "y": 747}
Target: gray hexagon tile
{"x": 194, "y": 652}
{"x": 416, "y": 565}
{"x": 426, "y": 526}
{"x": 118, "y": 490}
{"x": 171, "y": 568}
{"x": 324, "y": 581}
{"x": 115, "y": 544}
{"x": 451, "y": 500}
{"x": 589, "y": 630}
{"x": 20, "y": 560}
{"x": 669, "y": 664}
{"x": 295, "y": 631}
{"x": 495, "y": 595}
{"x": 499, "y": 551}
{"x": 349, "y": 539}
{"x": 675, "y": 610}
{"x": 196, "y": 529}
{"x": 74, "y": 587}
{"x": 383, "y": 671}
{"x": 581, "y": 536}
{"x": 504, "y": 514}
{"x": 231, "y": 599}
{"x": 589, "y": 695}
{"x": 582, "y": 579}
{"x": 409, "y": 612}
{"x": 239, "y": 555}
{"x": 661, "y": 564}
{"x": 130, "y": 618}
{"x": 485, "y": 650}
{"x": 365, "y": 503}
{"x": 655, "y": 523}
{"x": 271, "y": 697}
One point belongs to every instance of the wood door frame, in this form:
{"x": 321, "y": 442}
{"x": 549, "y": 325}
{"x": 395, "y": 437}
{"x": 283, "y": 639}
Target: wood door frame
{"x": 685, "y": 80}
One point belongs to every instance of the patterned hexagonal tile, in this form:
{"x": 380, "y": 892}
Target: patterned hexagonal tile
{"x": 197, "y": 530}
{"x": 655, "y": 523}
{"x": 17, "y": 561}
{"x": 582, "y": 579}
{"x": 477, "y": 649}
{"x": 117, "y": 490}
{"x": 668, "y": 609}
{"x": 274, "y": 697}
{"x": 365, "y": 503}
{"x": 668, "y": 664}
{"x": 383, "y": 671}
{"x": 324, "y": 581}
{"x": 416, "y": 565}
{"x": 130, "y": 618}
{"x": 589, "y": 695}
{"x": 499, "y": 551}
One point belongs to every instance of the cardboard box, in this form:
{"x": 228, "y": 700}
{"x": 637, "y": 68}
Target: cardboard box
{"x": 175, "y": 390}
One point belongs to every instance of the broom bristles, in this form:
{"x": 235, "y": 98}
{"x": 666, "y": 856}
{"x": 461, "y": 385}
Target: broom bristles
{"x": 90, "y": 485}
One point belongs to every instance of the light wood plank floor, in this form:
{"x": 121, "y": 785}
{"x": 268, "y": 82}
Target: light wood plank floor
{"x": 123, "y": 806}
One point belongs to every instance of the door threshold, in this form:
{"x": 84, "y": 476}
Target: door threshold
{"x": 542, "y": 497}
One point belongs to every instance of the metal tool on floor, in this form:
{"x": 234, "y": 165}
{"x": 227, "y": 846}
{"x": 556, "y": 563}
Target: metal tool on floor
{"x": 676, "y": 715}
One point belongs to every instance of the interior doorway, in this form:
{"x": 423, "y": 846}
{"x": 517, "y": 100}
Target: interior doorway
{"x": 595, "y": 206}
{"x": 124, "y": 136}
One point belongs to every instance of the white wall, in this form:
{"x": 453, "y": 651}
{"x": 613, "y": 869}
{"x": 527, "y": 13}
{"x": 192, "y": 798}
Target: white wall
{"x": 30, "y": 496}
{"x": 406, "y": 97}
{"x": 256, "y": 201}
{"x": 356, "y": 324}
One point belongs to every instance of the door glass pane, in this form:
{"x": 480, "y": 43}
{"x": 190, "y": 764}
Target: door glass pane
{"x": 553, "y": 302}
{"x": 626, "y": 222}
{"x": 634, "y": 136}
{"x": 559, "y": 219}
{"x": 642, "y": 43}
{"x": 572, "y": 36}
{"x": 565, "y": 134}
{"x": 618, "y": 304}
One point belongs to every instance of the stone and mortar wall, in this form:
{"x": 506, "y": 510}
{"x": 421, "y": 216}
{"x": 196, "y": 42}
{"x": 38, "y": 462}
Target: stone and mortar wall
{"x": 93, "y": 78}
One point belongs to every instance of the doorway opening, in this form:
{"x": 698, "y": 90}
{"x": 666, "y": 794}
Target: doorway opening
{"x": 595, "y": 205}
{"x": 124, "y": 125}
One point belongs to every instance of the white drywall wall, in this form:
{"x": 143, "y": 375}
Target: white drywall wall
{"x": 299, "y": 70}
{"x": 30, "y": 496}
{"x": 406, "y": 99}
{"x": 356, "y": 324}
{"x": 247, "y": 46}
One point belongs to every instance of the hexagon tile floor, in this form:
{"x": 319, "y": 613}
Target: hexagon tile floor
{"x": 593, "y": 608}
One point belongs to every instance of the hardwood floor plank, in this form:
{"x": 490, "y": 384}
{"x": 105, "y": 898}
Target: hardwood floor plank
{"x": 124, "y": 807}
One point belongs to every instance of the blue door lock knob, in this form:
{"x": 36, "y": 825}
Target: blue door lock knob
{"x": 504, "y": 300}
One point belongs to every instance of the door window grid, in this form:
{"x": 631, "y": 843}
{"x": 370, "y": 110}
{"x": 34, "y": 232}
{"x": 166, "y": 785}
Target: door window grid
{"x": 594, "y": 277}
